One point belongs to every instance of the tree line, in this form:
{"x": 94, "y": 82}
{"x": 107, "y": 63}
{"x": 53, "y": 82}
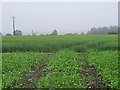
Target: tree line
{"x": 95, "y": 30}
{"x": 104, "y": 30}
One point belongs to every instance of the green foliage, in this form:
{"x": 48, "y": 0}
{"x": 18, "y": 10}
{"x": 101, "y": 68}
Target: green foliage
{"x": 15, "y": 64}
{"x": 107, "y": 64}
{"x": 63, "y": 71}
{"x": 0, "y": 71}
{"x": 52, "y": 43}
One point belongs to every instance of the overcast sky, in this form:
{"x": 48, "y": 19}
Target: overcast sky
{"x": 44, "y": 17}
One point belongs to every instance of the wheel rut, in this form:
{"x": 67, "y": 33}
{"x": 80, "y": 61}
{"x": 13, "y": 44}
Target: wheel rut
{"x": 30, "y": 78}
{"x": 91, "y": 75}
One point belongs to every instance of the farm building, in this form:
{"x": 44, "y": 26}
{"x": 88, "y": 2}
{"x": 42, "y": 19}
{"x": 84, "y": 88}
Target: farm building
{"x": 18, "y": 32}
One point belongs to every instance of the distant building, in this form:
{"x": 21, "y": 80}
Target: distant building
{"x": 8, "y": 34}
{"x": 68, "y": 33}
{"x": 0, "y": 34}
{"x": 18, "y": 32}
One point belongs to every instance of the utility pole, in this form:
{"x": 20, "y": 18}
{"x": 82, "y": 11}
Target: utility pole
{"x": 13, "y": 25}
{"x": 32, "y": 32}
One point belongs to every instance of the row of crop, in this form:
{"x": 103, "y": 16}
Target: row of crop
{"x": 56, "y": 43}
{"x": 14, "y": 64}
{"x": 62, "y": 71}
{"x": 107, "y": 65}
{"x": 0, "y": 70}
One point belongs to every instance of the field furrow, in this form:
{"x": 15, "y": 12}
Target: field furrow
{"x": 91, "y": 74}
{"x": 15, "y": 64}
{"x": 107, "y": 64}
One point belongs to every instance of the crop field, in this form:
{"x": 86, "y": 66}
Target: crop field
{"x": 78, "y": 61}
{"x": 15, "y": 64}
{"x": 107, "y": 64}
{"x": 53, "y": 43}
